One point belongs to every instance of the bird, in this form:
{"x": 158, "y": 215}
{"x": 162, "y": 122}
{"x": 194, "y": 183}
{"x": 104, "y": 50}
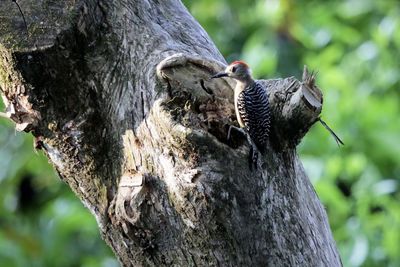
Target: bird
{"x": 251, "y": 104}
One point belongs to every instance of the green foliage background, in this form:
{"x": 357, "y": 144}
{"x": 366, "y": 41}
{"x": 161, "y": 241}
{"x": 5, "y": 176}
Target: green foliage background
{"x": 355, "y": 46}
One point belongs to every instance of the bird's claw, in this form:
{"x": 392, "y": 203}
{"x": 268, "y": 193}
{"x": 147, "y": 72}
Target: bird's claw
{"x": 253, "y": 154}
{"x": 253, "y": 157}
{"x": 228, "y": 137}
{"x": 229, "y": 133}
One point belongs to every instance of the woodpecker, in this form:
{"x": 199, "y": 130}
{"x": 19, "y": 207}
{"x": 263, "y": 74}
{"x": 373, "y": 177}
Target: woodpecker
{"x": 251, "y": 103}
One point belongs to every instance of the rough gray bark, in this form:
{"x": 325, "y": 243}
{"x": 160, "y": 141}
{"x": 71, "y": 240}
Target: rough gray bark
{"x": 117, "y": 93}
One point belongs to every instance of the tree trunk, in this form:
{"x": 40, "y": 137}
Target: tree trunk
{"x": 118, "y": 95}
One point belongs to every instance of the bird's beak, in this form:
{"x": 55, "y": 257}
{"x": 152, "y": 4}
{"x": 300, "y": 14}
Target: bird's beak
{"x": 219, "y": 75}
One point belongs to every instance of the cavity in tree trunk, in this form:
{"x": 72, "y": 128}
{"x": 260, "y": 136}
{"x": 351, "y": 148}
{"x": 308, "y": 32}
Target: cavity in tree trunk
{"x": 118, "y": 95}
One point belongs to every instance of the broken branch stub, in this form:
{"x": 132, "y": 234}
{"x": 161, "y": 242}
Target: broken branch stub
{"x": 295, "y": 107}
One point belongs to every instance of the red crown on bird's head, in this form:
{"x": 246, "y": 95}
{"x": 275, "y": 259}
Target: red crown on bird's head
{"x": 239, "y": 62}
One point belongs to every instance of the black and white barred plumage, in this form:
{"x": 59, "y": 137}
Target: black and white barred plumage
{"x": 251, "y": 103}
{"x": 253, "y": 108}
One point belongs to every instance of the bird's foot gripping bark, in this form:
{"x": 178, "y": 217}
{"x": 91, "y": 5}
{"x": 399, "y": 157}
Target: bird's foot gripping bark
{"x": 253, "y": 154}
{"x": 228, "y": 137}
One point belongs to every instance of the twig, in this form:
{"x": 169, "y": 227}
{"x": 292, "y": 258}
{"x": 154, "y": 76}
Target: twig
{"x": 337, "y": 139}
{"x": 22, "y": 14}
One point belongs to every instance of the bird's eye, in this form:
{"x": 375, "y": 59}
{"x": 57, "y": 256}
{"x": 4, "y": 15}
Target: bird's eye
{"x": 233, "y": 68}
